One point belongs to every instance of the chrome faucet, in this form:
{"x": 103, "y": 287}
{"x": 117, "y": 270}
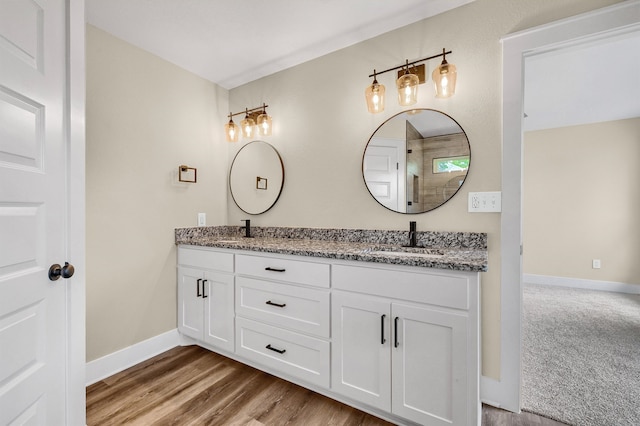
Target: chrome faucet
{"x": 412, "y": 234}
{"x": 247, "y": 228}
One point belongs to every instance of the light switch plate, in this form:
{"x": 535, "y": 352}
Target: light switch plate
{"x": 202, "y": 219}
{"x": 485, "y": 202}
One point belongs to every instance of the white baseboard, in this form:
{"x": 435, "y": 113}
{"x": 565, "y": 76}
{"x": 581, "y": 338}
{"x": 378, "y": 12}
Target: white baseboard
{"x": 581, "y": 283}
{"x": 113, "y": 363}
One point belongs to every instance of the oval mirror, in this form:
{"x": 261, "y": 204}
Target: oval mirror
{"x": 416, "y": 161}
{"x": 256, "y": 177}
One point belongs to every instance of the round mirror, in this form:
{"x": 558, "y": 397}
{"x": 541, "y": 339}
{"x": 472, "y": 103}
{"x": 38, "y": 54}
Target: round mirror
{"x": 256, "y": 177}
{"x": 416, "y": 161}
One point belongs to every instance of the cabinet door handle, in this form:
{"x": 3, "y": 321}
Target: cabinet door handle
{"x": 269, "y": 302}
{"x": 198, "y": 287}
{"x": 395, "y": 332}
{"x": 382, "y": 339}
{"x": 271, "y": 348}
{"x": 269, "y": 268}
{"x": 204, "y": 282}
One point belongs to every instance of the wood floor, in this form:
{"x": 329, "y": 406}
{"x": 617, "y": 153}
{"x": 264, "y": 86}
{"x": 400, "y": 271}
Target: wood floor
{"x": 492, "y": 416}
{"x": 193, "y": 386}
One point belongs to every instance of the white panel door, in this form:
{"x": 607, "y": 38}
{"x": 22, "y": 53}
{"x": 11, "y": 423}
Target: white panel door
{"x": 360, "y": 353}
{"x": 380, "y": 169}
{"x": 190, "y": 305}
{"x": 218, "y": 295}
{"x": 35, "y": 377}
{"x": 429, "y": 365}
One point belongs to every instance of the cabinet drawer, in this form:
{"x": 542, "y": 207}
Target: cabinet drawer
{"x": 304, "y": 357}
{"x": 294, "y": 271}
{"x": 422, "y": 287}
{"x": 207, "y": 259}
{"x": 297, "y": 308}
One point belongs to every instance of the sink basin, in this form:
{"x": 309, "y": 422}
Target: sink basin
{"x": 407, "y": 252}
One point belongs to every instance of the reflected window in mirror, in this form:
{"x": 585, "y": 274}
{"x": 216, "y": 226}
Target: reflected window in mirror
{"x": 451, "y": 164}
{"x": 416, "y": 161}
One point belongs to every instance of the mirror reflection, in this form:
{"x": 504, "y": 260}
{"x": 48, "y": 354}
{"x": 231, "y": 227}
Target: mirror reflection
{"x": 416, "y": 161}
{"x": 256, "y": 177}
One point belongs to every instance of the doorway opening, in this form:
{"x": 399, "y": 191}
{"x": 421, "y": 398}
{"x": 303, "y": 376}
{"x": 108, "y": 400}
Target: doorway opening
{"x": 611, "y": 21}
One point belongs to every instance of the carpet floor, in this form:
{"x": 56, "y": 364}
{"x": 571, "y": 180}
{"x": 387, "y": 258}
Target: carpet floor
{"x": 581, "y": 356}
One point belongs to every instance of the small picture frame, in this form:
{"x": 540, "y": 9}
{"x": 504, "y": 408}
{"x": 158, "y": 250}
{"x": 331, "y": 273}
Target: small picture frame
{"x": 261, "y": 183}
{"x": 187, "y": 174}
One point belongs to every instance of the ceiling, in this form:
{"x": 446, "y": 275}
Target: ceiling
{"x": 234, "y": 42}
{"x": 433, "y": 123}
{"x": 588, "y": 82}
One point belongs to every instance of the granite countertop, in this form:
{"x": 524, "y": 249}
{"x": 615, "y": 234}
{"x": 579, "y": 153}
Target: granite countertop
{"x": 442, "y": 250}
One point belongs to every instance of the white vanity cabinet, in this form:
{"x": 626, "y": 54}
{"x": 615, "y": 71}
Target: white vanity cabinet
{"x": 398, "y": 341}
{"x": 206, "y": 296}
{"x": 403, "y": 342}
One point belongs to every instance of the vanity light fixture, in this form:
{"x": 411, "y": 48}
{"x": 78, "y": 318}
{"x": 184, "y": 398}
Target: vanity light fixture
{"x": 407, "y": 83}
{"x": 256, "y": 121}
{"x": 444, "y": 78}
{"x": 247, "y": 125}
{"x": 375, "y": 96}
{"x": 264, "y": 122}
{"x": 231, "y": 130}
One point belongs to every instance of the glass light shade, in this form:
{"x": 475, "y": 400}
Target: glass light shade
{"x": 375, "y": 97}
{"x": 444, "y": 78}
{"x": 248, "y": 127}
{"x": 264, "y": 124}
{"x": 231, "y": 131}
{"x": 407, "y": 89}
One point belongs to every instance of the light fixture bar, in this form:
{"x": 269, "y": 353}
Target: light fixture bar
{"x": 248, "y": 111}
{"x": 407, "y": 64}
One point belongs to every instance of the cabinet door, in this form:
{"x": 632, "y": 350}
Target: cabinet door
{"x": 190, "y": 309}
{"x": 429, "y": 365}
{"x": 218, "y": 296}
{"x": 361, "y": 355}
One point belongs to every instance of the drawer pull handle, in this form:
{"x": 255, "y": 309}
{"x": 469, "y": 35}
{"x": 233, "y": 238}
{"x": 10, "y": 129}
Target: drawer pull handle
{"x": 395, "y": 332}
{"x": 382, "y": 339}
{"x": 269, "y": 268}
{"x": 198, "y": 287}
{"x": 269, "y": 302}
{"x": 204, "y": 296}
{"x": 271, "y": 348}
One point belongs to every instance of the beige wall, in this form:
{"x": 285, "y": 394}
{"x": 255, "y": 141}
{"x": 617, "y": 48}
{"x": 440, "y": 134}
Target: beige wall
{"x": 322, "y": 128}
{"x": 581, "y": 201}
{"x": 144, "y": 118}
